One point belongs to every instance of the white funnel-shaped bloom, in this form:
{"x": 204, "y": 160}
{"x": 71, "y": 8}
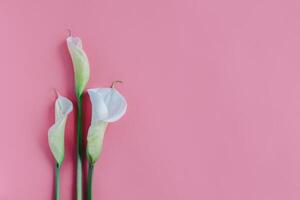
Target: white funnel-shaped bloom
{"x": 56, "y": 133}
{"x": 80, "y": 63}
{"x": 108, "y": 105}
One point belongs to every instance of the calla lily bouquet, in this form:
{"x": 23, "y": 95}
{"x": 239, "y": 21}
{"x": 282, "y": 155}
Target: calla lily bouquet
{"x": 108, "y": 105}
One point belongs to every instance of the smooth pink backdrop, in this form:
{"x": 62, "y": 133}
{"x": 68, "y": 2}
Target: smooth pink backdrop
{"x": 213, "y": 90}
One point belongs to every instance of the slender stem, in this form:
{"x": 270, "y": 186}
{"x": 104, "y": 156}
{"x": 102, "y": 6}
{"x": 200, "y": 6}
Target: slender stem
{"x": 90, "y": 182}
{"x": 57, "y": 182}
{"x": 79, "y": 150}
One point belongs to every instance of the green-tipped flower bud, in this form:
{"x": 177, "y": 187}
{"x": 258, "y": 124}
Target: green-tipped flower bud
{"x": 80, "y": 63}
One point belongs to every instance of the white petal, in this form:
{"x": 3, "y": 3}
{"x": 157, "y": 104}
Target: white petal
{"x": 99, "y": 109}
{"x": 74, "y": 42}
{"x": 63, "y": 107}
{"x": 107, "y": 104}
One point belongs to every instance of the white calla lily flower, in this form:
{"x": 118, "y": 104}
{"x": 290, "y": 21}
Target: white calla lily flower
{"x": 108, "y": 105}
{"x": 80, "y": 62}
{"x": 56, "y": 133}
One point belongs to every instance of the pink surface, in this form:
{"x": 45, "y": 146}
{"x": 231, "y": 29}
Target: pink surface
{"x": 213, "y": 89}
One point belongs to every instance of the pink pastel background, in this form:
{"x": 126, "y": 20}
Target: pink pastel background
{"x": 213, "y": 89}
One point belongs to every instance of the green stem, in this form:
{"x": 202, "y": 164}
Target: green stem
{"x": 90, "y": 182}
{"x": 79, "y": 149}
{"x": 57, "y": 185}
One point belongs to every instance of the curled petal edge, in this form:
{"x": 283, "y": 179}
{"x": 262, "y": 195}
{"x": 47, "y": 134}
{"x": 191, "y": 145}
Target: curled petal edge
{"x": 56, "y": 132}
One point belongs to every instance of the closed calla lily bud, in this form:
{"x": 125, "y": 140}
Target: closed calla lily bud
{"x": 108, "y": 105}
{"x": 80, "y": 63}
{"x": 56, "y": 133}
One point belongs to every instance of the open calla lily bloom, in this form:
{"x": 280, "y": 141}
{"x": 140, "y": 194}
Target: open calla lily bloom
{"x": 108, "y": 105}
{"x": 80, "y": 62}
{"x": 56, "y": 133}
